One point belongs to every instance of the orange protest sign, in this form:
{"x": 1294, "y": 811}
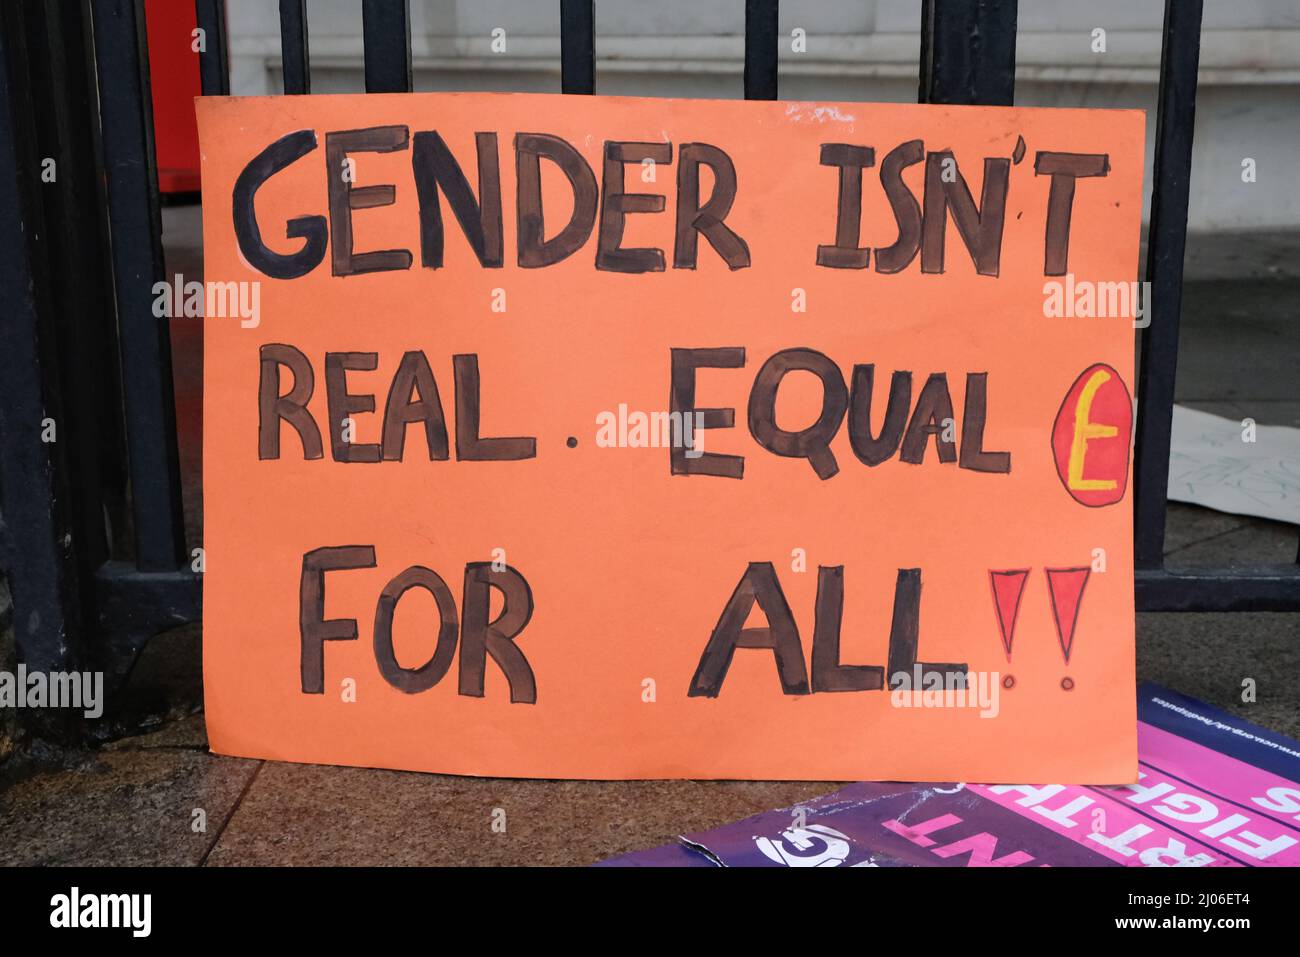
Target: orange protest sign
{"x": 627, "y": 438}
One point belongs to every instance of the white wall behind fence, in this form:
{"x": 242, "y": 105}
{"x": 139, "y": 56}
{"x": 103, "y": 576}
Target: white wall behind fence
{"x": 856, "y": 50}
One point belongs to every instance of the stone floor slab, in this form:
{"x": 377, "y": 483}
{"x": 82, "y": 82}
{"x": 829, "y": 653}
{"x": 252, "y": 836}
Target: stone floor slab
{"x": 119, "y": 808}
{"x": 309, "y": 814}
{"x": 1209, "y": 656}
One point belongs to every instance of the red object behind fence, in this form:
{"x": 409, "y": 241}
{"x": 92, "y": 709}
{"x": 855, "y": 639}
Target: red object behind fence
{"x": 174, "y": 78}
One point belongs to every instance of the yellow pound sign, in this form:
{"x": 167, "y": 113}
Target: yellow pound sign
{"x": 1085, "y": 431}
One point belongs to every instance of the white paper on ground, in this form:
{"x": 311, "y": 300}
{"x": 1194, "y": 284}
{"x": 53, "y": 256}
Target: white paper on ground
{"x": 1210, "y": 464}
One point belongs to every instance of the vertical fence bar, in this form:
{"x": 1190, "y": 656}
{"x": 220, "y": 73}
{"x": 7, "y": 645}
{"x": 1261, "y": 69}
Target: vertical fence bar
{"x": 135, "y": 232}
{"x": 73, "y": 243}
{"x": 214, "y": 59}
{"x": 294, "y": 58}
{"x": 33, "y": 528}
{"x": 386, "y": 35}
{"x": 577, "y": 46}
{"x": 760, "y": 49}
{"x": 968, "y": 52}
{"x": 1166, "y": 244}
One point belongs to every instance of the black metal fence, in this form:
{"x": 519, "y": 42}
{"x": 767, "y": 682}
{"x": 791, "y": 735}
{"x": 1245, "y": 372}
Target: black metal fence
{"x": 90, "y": 523}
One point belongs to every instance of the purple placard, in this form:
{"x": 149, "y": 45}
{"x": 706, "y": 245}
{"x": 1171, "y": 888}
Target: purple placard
{"x": 1214, "y": 791}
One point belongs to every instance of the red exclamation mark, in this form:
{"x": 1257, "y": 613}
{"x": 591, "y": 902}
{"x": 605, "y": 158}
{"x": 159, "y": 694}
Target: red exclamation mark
{"x": 1066, "y": 588}
{"x": 1008, "y": 588}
